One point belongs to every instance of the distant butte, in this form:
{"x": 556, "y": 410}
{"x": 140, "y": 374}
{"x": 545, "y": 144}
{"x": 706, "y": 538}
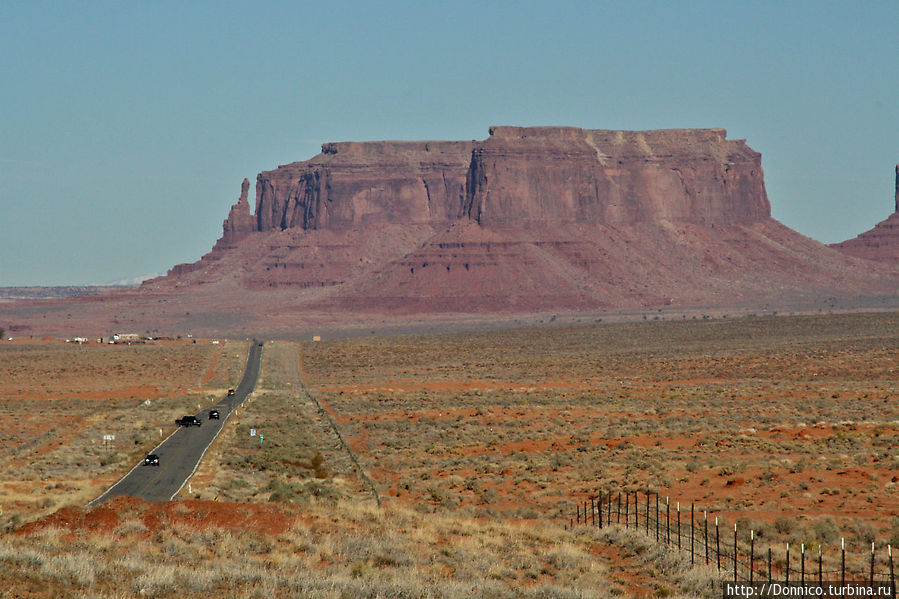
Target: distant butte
{"x": 530, "y": 220}
{"x": 880, "y": 243}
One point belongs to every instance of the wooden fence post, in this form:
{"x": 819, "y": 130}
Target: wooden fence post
{"x": 802, "y": 564}
{"x": 592, "y": 512}
{"x": 636, "y": 511}
{"x": 717, "y": 545}
{"x": 751, "y": 554}
{"x": 705, "y": 526}
{"x": 668, "y": 519}
{"x": 577, "y": 508}
{"x": 599, "y": 507}
{"x": 872, "y": 564}
{"x": 892, "y": 578}
{"x": 787, "y": 575}
{"x": 618, "y": 516}
{"x": 647, "y": 513}
{"x": 609, "y": 508}
{"x": 692, "y": 522}
{"x": 657, "y": 516}
{"x": 735, "y": 553}
{"x": 678, "y": 525}
{"x": 843, "y": 562}
{"x": 627, "y": 509}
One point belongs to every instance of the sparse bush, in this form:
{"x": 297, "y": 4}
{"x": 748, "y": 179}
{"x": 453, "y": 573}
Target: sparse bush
{"x": 894, "y": 532}
{"x": 784, "y": 526}
{"x": 825, "y": 531}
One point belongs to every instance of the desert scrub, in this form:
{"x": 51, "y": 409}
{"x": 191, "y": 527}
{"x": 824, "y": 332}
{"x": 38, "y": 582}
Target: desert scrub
{"x": 345, "y": 548}
{"x": 676, "y": 574}
{"x": 299, "y": 492}
{"x": 535, "y": 413}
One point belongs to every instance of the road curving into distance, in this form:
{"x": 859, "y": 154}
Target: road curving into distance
{"x": 180, "y": 454}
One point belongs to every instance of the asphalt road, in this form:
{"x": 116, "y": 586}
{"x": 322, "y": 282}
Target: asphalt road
{"x": 180, "y": 454}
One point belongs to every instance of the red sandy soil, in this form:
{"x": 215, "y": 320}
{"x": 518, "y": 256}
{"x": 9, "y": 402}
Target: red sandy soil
{"x": 760, "y": 499}
{"x": 195, "y": 515}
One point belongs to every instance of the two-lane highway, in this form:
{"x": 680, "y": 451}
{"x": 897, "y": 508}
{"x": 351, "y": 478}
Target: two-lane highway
{"x": 180, "y": 454}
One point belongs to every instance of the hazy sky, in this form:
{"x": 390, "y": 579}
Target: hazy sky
{"x": 127, "y": 127}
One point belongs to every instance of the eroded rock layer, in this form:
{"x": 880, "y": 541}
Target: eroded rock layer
{"x": 563, "y": 174}
{"x": 555, "y": 174}
{"x": 357, "y": 184}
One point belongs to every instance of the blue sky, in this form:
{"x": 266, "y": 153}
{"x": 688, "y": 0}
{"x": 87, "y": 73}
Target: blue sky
{"x": 127, "y": 127}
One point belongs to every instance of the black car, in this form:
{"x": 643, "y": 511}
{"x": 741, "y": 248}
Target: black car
{"x": 189, "y": 421}
{"x": 151, "y": 460}
{"x": 214, "y": 415}
{"x": 230, "y": 391}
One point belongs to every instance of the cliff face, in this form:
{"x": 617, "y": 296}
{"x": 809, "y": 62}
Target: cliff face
{"x": 351, "y": 185}
{"x": 881, "y": 243}
{"x": 552, "y": 174}
{"x": 615, "y": 177}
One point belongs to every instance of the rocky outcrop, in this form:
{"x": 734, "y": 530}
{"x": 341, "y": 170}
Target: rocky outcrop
{"x": 350, "y": 185}
{"x": 239, "y": 222}
{"x": 551, "y": 174}
{"x": 881, "y": 243}
{"x": 563, "y": 174}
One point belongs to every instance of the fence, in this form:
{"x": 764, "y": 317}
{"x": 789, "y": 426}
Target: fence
{"x": 735, "y": 553}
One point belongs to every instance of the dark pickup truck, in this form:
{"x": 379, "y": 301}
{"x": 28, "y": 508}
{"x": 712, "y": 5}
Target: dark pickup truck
{"x": 188, "y": 421}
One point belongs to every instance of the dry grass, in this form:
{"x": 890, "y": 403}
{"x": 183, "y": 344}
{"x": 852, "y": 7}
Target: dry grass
{"x": 363, "y": 552}
{"x": 755, "y": 418}
{"x": 481, "y": 444}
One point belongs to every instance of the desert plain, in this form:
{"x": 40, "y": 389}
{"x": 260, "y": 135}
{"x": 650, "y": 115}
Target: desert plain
{"x": 450, "y": 465}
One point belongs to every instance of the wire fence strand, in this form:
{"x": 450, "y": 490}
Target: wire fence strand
{"x": 738, "y": 554}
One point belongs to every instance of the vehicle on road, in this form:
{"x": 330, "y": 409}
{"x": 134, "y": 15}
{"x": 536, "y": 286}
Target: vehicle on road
{"x": 151, "y": 460}
{"x": 230, "y": 392}
{"x": 188, "y": 421}
{"x": 214, "y": 415}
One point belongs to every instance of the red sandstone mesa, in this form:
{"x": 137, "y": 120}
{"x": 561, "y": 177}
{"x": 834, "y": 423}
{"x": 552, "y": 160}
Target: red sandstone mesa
{"x": 555, "y": 174}
{"x": 528, "y": 220}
